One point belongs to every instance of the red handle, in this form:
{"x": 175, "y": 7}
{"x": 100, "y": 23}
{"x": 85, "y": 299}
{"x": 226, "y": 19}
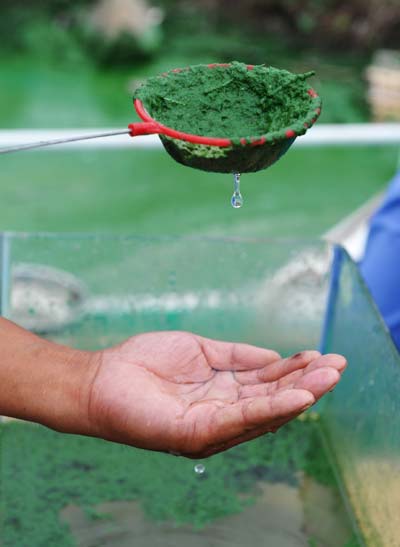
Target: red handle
{"x": 151, "y": 126}
{"x": 143, "y": 128}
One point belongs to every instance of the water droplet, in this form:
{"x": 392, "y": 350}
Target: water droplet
{"x": 199, "y": 468}
{"x": 237, "y": 199}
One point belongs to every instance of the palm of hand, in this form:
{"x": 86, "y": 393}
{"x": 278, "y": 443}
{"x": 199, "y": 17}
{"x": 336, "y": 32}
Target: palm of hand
{"x": 178, "y": 392}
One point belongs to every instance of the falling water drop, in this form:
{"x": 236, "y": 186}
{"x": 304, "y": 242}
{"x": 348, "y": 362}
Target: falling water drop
{"x": 199, "y": 468}
{"x": 237, "y": 199}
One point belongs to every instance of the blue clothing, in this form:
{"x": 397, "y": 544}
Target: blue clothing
{"x": 380, "y": 266}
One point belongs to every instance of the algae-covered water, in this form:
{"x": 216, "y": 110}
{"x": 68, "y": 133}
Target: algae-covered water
{"x": 66, "y": 490}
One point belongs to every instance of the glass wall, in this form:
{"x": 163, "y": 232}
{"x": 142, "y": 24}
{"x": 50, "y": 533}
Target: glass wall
{"x": 361, "y": 418}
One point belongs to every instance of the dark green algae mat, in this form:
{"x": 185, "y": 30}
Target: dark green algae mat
{"x": 230, "y": 101}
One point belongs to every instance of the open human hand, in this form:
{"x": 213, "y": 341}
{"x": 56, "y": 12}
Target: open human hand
{"x": 188, "y": 395}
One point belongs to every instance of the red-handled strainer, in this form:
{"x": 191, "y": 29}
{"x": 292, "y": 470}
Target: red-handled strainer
{"x": 263, "y": 102}
{"x": 280, "y": 106}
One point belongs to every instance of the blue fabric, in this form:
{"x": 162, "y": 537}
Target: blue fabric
{"x": 381, "y": 264}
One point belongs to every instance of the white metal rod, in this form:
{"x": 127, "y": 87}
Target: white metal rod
{"x": 356, "y": 134}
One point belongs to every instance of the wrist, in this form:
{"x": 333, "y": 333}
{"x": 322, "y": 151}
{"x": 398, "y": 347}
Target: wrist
{"x": 44, "y": 382}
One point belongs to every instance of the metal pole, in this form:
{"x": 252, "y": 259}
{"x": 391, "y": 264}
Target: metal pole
{"x": 40, "y": 144}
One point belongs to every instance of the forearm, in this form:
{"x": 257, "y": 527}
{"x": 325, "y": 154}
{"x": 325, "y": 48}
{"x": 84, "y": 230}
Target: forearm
{"x": 44, "y": 382}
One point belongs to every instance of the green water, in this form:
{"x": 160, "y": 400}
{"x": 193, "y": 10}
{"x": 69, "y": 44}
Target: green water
{"x": 145, "y": 191}
{"x": 36, "y": 93}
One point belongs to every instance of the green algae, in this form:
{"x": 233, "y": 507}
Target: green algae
{"x": 228, "y": 101}
{"x": 68, "y": 469}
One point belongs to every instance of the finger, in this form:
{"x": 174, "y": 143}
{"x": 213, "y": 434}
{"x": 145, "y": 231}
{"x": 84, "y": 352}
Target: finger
{"x": 250, "y": 435}
{"x": 223, "y": 441}
{"x": 262, "y": 411}
{"x": 297, "y": 362}
{"x": 319, "y": 381}
{"x": 332, "y": 360}
{"x": 235, "y": 356}
{"x": 277, "y": 369}
{"x": 337, "y": 362}
{"x": 265, "y": 414}
{"x": 234, "y": 420}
